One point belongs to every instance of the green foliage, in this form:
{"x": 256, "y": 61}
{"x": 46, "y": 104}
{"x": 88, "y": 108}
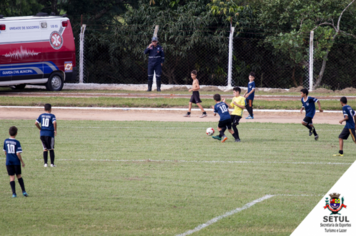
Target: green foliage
{"x": 295, "y": 19}
{"x": 19, "y": 7}
{"x": 228, "y": 8}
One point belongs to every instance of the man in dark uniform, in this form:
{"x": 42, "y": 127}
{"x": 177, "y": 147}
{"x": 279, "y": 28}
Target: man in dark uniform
{"x": 155, "y": 63}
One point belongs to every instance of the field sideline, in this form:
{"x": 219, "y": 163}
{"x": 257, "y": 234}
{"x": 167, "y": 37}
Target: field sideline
{"x": 166, "y": 178}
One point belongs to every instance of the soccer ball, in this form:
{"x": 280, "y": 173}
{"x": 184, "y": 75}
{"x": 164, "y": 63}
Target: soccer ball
{"x": 210, "y": 131}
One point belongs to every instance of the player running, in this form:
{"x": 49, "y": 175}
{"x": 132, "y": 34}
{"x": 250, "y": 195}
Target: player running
{"x": 238, "y": 104}
{"x": 225, "y": 119}
{"x": 349, "y": 117}
{"x": 309, "y": 106}
{"x": 195, "y": 95}
{"x": 48, "y": 131}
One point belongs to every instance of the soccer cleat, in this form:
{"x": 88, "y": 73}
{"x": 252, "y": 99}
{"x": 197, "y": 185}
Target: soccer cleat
{"x": 203, "y": 115}
{"x": 223, "y": 139}
{"x": 237, "y": 140}
{"x": 311, "y": 131}
{"x": 186, "y": 115}
{"x": 14, "y": 195}
{"x": 52, "y": 165}
{"x": 249, "y": 117}
{"x": 216, "y": 137}
{"x": 316, "y": 137}
{"x": 45, "y": 165}
{"x": 338, "y": 155}
{"x": 25, "y": 194}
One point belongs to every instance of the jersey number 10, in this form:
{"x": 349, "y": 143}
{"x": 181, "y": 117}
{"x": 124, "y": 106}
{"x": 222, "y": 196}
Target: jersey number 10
{"x": 223, "y": 109}
{"x": 45, "y": 122}
{"x": 11, "y": 149}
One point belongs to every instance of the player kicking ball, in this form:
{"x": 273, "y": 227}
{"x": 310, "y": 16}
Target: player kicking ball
{"x": 309, "y": 106}
{"x": 48, "y": 129}
{"x": 349, "y": 117}
{"x": 225, "y": 119}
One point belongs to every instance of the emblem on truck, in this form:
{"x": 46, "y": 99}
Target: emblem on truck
{"x": 56, "y": 40}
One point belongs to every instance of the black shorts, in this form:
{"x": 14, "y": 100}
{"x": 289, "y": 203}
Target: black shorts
{"x": 308, "y": 120}
{"x": 346, "y": 132}
{"x": 249, "y": 102}
{"x": 195, "y": 97}
{"x": 13, "y": 170}
{"x": 225, "y": 123}
{"x": 47, "y": 142}
{"x": 235, "y": 119}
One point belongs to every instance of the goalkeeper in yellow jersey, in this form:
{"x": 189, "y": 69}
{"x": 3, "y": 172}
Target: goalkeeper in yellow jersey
{"x": 238, "y": 104}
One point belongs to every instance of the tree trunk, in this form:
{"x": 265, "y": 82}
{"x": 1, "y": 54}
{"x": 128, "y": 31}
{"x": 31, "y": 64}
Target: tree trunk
{"x": 322, "y": 70}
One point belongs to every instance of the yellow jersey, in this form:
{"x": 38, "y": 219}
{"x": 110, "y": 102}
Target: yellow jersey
{"x": 237, "y": 110}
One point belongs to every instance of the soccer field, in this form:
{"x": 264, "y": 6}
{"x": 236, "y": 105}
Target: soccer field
{"x": 166, "y": 178}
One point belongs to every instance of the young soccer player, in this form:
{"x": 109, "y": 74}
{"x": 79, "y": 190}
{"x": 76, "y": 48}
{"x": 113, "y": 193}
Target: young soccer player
{"x": 13, "y": 150}
{"x": 48, "y": 129}
{"x": 250, "y": 95}
{"x": 195, "y": 96}
{"x": 309, "y": 106}
{"x": 225, "y": 119}
{"x": 238, "y": 104}
{"x": 349, "y": 117}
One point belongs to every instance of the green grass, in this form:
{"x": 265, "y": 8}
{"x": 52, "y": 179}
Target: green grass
{"x": 84, "y": 196}
{"x": 152, "y": 102}
{"x": 336, "y": 93}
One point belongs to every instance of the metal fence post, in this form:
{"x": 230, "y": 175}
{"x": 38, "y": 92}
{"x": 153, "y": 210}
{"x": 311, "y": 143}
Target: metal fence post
{"x": 229, "y": 71}
{"x": 311, "y": 60}
{"x": 81, "y": 54}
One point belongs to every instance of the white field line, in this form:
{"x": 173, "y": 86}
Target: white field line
{"x": 147, "y": 109}
{"x": 214, "y": 220}
{"x": 209, "y": 162}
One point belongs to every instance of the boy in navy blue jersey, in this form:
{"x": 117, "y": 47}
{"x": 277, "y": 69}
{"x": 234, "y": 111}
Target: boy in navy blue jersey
{"x": 250, "y": 95}
{"x": 13, "y": 150}
{"x": 349, "y": 117}
{"x": 225, "y": 119}
{"x": 309, "y": 106}
{"x": 48, "y": 129}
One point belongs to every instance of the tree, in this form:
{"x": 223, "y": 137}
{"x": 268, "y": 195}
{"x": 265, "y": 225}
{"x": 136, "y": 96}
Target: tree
{"x": 187, "y": 32}
{"x": 293, "y": 21}
{"x": 19, "y": 7}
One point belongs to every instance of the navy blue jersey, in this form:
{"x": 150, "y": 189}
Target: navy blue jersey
{"x": 251, "y": 85}
{"x": 12, "y": 147}
{"x": 46, "y": 120}
{"x": 309, "y": 106}
{"x": 155, "y": 55}
{"x": 350, "y": 113}
{"x": 223, "y": 110}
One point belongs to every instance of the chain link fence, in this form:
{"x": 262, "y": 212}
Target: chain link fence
{"x": 108, "y": 60}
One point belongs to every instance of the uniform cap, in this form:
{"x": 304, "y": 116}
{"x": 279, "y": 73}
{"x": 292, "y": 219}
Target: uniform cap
{"x": 154, "y": 39}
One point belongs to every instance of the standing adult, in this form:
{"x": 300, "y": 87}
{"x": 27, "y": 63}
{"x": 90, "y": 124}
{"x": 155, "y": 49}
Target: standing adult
{"x": 155, "y": 63}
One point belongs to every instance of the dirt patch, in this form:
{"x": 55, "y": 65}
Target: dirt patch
{"x": 323, "y": 90}
{"x": 296, "y": 89}
{"x": 172, "y": 116}
{"x": 210, "y": 89}
{"x": 347, "y": 91}
{"x": 177, "y": 89}
{"x": 275, "y": 90}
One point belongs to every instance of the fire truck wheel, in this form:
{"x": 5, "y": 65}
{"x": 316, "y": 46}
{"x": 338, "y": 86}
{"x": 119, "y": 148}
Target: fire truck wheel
{"x": 55, "y": 82}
